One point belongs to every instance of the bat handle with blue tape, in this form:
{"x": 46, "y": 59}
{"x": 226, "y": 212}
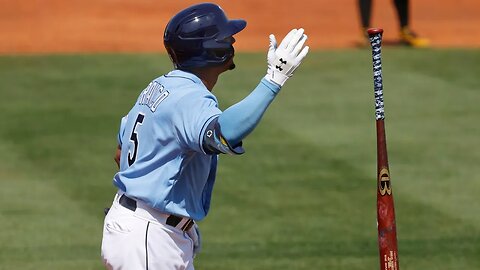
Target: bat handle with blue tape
{"x": 375, "y": 36}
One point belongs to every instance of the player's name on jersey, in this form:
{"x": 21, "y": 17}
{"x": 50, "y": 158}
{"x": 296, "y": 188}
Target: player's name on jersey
{"x": 153, "y": 95}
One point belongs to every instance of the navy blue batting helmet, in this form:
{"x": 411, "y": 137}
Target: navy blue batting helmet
{"x": 201, "y": 36}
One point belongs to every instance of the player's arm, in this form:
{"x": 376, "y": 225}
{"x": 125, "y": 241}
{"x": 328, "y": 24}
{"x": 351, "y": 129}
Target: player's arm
{"x": 239, "y": 120}
{"x": 224, "y": 134}
{"x": 118, "y": 151}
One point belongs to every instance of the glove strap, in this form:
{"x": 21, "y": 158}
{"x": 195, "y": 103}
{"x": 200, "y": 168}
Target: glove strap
{"x": 276, "y": 78}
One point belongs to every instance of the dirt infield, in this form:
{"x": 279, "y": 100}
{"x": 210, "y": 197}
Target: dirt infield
{"x": 137, "y": 26}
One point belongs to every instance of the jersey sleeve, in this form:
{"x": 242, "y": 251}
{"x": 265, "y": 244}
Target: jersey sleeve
{"x": 215, "y": 143}
{"x": 191, "y": 117}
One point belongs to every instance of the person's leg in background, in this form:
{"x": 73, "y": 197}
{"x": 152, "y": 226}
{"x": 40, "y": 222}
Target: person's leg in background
{"x": 407, "y": 37}
{"x": 365, "y": 10}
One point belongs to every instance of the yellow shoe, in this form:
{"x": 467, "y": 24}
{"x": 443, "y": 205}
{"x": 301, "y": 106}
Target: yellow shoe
{"x": 409, "y": 38}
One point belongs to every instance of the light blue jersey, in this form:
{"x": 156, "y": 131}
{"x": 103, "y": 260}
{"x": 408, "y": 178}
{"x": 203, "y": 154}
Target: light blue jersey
{"x": 163, "y": 162}
{"x": 171, "y": 137}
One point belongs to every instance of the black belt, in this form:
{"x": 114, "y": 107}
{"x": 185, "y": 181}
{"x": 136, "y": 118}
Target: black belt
{"x": 172, "y": 220}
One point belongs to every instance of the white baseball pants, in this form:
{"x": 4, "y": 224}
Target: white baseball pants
{"x": 140, "y": 239}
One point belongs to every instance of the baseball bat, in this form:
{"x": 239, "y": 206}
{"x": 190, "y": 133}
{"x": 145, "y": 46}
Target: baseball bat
{"x": 386, "y": 225}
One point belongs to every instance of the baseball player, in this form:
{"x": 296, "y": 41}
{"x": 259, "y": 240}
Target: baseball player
{"x": 170, "y": 140}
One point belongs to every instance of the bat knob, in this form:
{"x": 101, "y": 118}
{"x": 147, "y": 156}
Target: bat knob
{"x": 374, "y": 31}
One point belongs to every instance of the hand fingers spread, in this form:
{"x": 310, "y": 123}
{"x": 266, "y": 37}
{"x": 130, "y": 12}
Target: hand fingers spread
{"x": 287, "y": 38}
{"x": 299, "y": 45}
{"x": 302, "y": 54}
{"x": 294, "y": 40}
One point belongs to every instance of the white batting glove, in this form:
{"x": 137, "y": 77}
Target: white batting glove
{"x": 285, "y": 59}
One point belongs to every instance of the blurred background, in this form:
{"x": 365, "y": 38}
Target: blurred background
{"x": 137, "y": 26}
{"x": 304, "y": 194}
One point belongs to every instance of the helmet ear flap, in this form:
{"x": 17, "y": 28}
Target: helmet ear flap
{"x": 222, "y": 54}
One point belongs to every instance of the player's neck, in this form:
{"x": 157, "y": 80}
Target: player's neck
{"x": 208, "y": 76}
{"x": 209, "y": 79}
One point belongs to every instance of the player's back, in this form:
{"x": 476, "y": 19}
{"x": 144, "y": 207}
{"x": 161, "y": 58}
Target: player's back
{"x": 162, "y": 155}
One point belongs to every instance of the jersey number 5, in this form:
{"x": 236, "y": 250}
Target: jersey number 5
{"x": 132, "y": 155}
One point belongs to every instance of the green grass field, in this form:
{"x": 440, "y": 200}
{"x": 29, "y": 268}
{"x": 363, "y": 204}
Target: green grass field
{"x": 304, "y": 194}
